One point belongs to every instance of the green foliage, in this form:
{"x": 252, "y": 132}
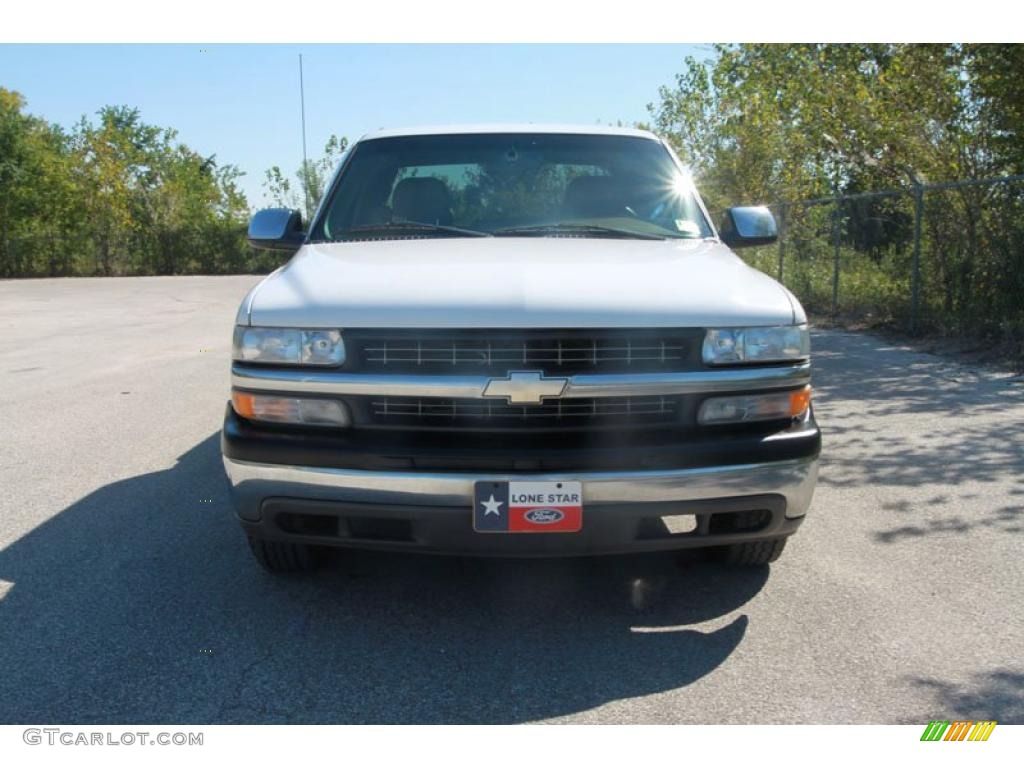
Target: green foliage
{"x": 114, "y": 197}
{"x": 786, "y": 123}
{"x": 34, "y": 189}
{"x": 311, "y": 178}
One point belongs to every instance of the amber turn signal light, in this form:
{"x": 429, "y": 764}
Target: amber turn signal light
{"x": 243, "y": 404}
{"x": 771, "y": 406}
{"x": 307, "y": 411}
{"x": 800, "y": 401}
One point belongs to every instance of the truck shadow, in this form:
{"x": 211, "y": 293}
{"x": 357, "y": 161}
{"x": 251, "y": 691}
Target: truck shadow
{"x": 140, "y": 604}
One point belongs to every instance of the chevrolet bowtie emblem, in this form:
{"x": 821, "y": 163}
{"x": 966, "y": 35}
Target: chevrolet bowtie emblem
{"x": 525, "y": 388}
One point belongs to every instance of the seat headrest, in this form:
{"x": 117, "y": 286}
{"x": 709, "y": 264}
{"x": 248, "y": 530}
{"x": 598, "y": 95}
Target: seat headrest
{"x": 425, "y": 200}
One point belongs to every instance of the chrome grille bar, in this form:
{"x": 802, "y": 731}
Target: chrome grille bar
{"x": 327, "y": 382}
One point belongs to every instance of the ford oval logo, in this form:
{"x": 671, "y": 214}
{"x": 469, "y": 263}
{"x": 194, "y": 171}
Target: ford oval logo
{"x": 544, "y": 516}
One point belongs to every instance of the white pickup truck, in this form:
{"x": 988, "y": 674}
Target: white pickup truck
{"x": 518, "y": 341}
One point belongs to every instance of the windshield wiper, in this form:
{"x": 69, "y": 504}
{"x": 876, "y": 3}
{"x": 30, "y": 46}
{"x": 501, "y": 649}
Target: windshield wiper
{"x": 414, "y": 226}
{"x": 581, "y": 229}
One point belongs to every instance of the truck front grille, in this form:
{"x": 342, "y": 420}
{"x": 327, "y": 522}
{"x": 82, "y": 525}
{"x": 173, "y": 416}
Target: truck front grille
{"x": 499, "y": 351}
{"x": 447, "y": 413}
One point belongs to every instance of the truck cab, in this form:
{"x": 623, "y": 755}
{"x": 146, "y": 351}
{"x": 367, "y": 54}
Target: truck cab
{"x": 517, "y": 341}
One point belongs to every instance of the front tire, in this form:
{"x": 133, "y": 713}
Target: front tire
{"x": 754, "y": 552}
{"x": 280, "y": 557}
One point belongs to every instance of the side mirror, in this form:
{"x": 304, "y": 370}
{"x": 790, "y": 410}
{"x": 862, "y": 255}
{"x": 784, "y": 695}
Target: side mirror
{"x": 276, "y": 229}
{"x": 744, "y": 226}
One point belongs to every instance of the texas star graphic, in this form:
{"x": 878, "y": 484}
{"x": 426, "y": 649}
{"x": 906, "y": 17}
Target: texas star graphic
{"x": 491, "y": 506}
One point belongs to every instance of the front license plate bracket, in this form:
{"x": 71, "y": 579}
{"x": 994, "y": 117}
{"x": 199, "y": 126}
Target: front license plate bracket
{"x": 547, "y": 506}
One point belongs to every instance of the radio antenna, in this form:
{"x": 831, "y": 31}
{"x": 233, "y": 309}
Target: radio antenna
{"x": 305, "y": 162}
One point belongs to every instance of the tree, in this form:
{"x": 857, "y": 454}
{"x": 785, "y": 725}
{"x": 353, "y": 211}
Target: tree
{"x": 790, "y": 121}
{"x": 112, "y": 197}
{"x": 311, "y": 179}
{"x": 35, "y": 191}
{"x": 771, "y": 123}
{"x": 996, "y": 77}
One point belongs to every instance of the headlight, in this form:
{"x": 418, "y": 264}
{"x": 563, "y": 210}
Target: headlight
{"x": 293, "y": 346}
{"x": 723, "y": 346}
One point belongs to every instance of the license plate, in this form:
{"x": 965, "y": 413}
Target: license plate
{"x": 528, "y": 507}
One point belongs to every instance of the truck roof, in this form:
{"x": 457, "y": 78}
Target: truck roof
{"x": 603, "y": 130}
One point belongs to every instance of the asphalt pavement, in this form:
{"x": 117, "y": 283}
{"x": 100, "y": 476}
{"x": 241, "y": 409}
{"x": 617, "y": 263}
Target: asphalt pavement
{"x": 128, "y": 595}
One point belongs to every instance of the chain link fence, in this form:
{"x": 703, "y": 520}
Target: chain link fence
{"x": 933, "y": 258}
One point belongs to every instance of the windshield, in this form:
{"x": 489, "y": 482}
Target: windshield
{"x": 514, "y": 185}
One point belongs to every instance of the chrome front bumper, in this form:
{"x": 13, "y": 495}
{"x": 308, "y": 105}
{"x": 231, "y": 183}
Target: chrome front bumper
{"x": 431, "y": 510}
{"x": 252, "y": 483}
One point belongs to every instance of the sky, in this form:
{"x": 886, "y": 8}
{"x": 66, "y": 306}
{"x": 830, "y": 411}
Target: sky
{"x": 241, "y": 102}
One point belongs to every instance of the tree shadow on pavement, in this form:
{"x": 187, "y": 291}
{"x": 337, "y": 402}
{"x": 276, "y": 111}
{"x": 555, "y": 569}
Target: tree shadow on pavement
{"x": 895, "y": 420}
{"x": 996, "y": 695}
{"x": 141, "y": 604}
{"x": 1003, "y": 519}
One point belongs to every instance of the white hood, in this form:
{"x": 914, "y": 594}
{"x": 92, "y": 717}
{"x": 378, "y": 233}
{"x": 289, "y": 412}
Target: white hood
{"x": 531, "y": 282}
